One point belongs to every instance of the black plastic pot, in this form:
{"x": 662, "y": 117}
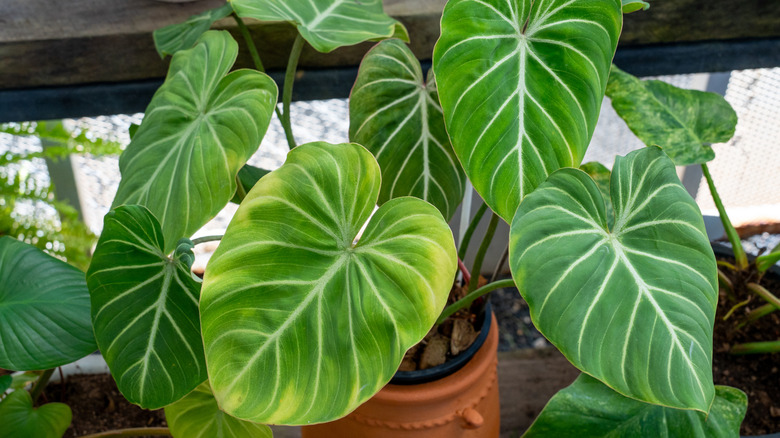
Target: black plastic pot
{"x": 452, "y": 365}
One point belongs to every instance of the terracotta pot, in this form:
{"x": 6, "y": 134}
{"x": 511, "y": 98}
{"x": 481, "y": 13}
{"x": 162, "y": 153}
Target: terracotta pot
{"x": 461, "y": 405}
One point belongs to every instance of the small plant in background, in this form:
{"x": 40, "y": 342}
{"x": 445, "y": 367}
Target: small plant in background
{"x": 29, "y": 211}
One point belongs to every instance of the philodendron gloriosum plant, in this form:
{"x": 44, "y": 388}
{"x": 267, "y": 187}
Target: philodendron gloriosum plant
{"x": 340, "y": 260}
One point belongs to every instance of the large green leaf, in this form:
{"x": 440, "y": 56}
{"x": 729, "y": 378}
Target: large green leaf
{"x": 145, "y": 310}
{"x": 197, "y": 415}
{"x": 248, "y": 177}
{"x": 633, "y": 305}
{"x": 200, "y": 128}
{"x": 683, "y": 122}
{"x": 180, "y": 36}
{"x": 18, "y": 417}
{"x": 396, "y": 115}
{"x": 44, "y": 309}
{"x": 327, "y": 24}
{"x": 521, "y": 83}
{"x": 588, "y": 408}
{"x": 302, "y": 319}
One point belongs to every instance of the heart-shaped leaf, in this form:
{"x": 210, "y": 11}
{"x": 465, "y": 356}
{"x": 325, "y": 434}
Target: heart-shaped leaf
{"x": 521, "y": 83}
{"x": 683, "y": 122}
{"x": 327, "y": 24}
{"x": 396, "y": 116}
{"x": 197, "y": 414}
{"x": 632, "y": 306}
{"x": 589, "y": 409}
{"x": 200, "y": 128}
{"x": 20, "y": 419}
{"x": 301, "y": 321}
{"x": 44, "y": 309}
{"x": 181, "y": 36}
{"x": 601, "y": 176}
{"x": 145, "y": 310}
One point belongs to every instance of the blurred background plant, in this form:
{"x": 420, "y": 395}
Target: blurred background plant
{"x": 29, "y": 209}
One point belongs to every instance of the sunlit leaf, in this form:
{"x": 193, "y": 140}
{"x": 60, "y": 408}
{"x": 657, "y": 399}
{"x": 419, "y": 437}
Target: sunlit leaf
{"x": 303, "y": 318}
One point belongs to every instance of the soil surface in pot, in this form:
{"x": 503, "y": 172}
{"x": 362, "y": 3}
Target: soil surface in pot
{"x": 758, "y": 375}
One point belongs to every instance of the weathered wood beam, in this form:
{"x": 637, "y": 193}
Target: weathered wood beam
{"x": 54, "y": 43}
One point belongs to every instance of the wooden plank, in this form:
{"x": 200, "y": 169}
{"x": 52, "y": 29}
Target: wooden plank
{"x": 50, "y": 42}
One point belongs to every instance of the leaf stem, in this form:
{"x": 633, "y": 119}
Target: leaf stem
{"x": 491, "y": 231}
{"x": 726, "y": 284}
{"x": 289, "y": 78}
{"x": 464, "y": 271}
{"x": 471, "y": 296}
{"x": 760, "y": 312}
{"x": 734, "y": 309}
{"x": 501, "y": 261}
{"x": 240, "y": 192}
{"x": 40, "y": 384}
{"x": 757, "y": 347}
{"x": 250, "y": 44}
{"x": 769, "y": 297}
{"x": 731, "y": 232}
{"x": 205, "y": 239}
{"x": 136, "y": 431}
{"x": 464, "y": 245}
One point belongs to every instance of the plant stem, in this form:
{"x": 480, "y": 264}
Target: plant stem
{"x": 760, "y": 312}
{"x": 40, "y": 384}
{"x": 464, "y": 245}
{"x": 731, "y": 232}
{"x": 289, "y": 78}
{"x": 726, "y": 284}
{"x": 250, "y": 44}
{"x": 473, "y": 295}
{"x": 500, "y": 264}
{"x": 464, "y": 271}
{"x": 136, "y": 431}
{"x": 205, "y": 239}
{"x": 736, "y": 306}
{"x": 757, "y": 347}
{"x": 727, "y": 265}
{"x": 491, "y": 230}
{"x": 765, "y": 294}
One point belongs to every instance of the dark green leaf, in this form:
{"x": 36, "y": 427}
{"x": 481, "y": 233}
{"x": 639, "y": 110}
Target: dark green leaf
{"x": 682, "y": 122}
{"x": 145, "y": 310}
{"x": 590, "y": 409}
{"x": 248, "y": 177}
{"x": 601, "y": 176}
{"x": 632, "y": 305}
{"x": 19, "y": 419}
{"x": 396, "y": 115}
{"x": 181, "y": 36}
{"x": 44, "y": 309}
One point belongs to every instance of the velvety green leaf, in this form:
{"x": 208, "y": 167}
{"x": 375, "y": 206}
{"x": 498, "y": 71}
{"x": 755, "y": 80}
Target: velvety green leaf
{"x": 145, "y": 310}
{"x": 327, "y": 24}
{"x": 132, "y": 129}
{"x": 200, "y": 128}
{"x": 633, "y": 305}
{"x": 588, "y": 408}
{"x": 630, "y": 6}
{"x": 248, "y": 177}
{"x": 521, "y": 83}
{"x": 44, "y": 309}
{"x": 682, "y": 122}
{"x": 396, "y": 116}
{"x": 181, "y": 36}
{"x": 5, "y": 382}
{"x": 302, "y": 319}
{"x": 601, "y": 176}
{"x": 20, "y": 419}
{"x": 197, "y": 415}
